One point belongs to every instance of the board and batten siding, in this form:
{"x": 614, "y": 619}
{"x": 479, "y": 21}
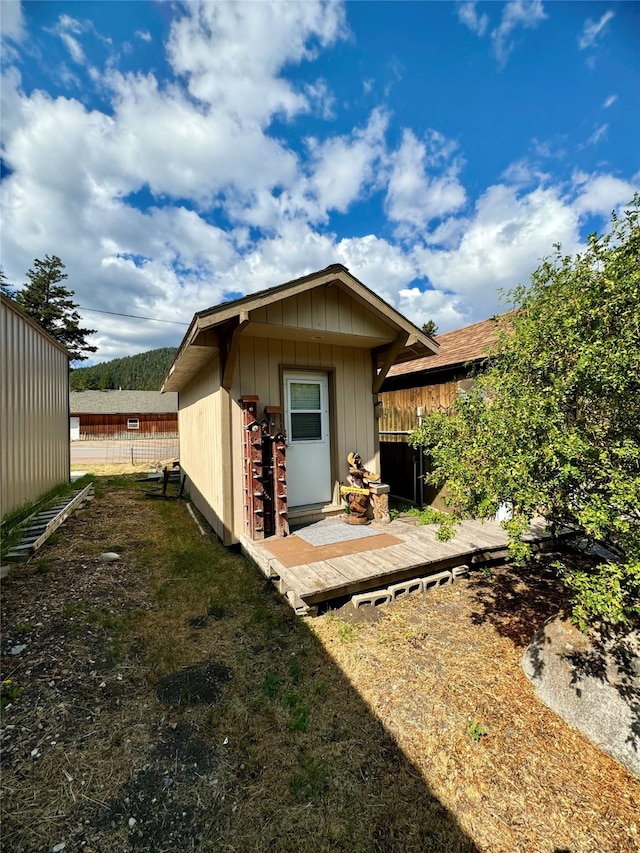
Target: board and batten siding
{"x": 150, "y": 425}
{"x": 202, "y": 450}
{"x": 34, "y": 410}
{"x": 261, "y": 362}
{"x": 326, "y": 309}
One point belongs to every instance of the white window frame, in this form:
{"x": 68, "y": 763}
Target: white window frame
{"x": 133, "y": 423}
{"x": 322, "y": 381}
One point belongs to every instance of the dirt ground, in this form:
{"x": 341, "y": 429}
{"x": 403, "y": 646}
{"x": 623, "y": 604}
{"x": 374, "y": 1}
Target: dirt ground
{"x": 171, "y": 701}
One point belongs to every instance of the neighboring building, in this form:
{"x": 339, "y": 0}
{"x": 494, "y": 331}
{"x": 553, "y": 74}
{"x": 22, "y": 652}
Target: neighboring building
{"x": 34, "y": 409}
{"x": 425, "y": 385}
{"x": 318, "y": 348}
{"x": 122, "y": 415}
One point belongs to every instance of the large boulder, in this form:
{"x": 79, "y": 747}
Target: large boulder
{"x": 592, "y": 681}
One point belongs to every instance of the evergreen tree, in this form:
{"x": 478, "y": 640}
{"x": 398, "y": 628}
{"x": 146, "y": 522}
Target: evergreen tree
{"x": 49, "y": 303}
{"x": 142, "y": 372}
{"x": 4, "y": 286}
{"x": 430, "y": 329}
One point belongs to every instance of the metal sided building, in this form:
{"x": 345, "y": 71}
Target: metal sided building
{"x": 34, "y": 409}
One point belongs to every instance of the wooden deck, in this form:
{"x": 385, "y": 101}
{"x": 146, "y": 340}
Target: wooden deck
{"x": 417, "y": 554}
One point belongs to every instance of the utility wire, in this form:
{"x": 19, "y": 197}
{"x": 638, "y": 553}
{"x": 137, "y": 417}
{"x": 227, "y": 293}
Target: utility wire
{"x": 133, "y": 316}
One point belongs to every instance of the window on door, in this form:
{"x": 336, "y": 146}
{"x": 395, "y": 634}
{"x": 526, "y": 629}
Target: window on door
{"x": 305, "y": 411}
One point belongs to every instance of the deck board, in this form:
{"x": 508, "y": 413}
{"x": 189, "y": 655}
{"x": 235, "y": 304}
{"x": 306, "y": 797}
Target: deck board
{"x": 418, "y": 553}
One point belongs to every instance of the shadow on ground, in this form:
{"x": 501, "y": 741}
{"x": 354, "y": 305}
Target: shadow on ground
{"x": 515, "y": 600}
{"x": 174, "y": 702}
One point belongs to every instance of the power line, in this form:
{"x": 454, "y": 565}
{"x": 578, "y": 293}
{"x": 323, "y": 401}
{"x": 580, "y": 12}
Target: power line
{"x": 132, "y": 316}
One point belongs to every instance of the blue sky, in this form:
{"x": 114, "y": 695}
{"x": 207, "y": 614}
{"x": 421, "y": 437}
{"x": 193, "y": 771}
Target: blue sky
{"x": 178, "y": 154}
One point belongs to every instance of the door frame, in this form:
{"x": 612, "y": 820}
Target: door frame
{"x": 330, "y": 373}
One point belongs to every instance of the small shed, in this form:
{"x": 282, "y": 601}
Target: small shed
{"x": 34, "y": 409}
{"x": 302, "y": 363}
{"x": 415, "y": 388}
{"x": 121, "y": 414}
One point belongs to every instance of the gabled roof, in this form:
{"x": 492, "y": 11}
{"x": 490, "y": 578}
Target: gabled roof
{"x": 121, "y": 403}
{"x": 462, "y": 346}
{"x": 217, "y": 328}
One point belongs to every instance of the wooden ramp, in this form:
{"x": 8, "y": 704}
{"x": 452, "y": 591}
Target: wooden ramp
{"x": 407, "y": 551}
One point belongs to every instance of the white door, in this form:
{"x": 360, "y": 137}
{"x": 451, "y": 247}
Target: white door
{"x": 74, "y": 424}
{"x": 308, "y": 443}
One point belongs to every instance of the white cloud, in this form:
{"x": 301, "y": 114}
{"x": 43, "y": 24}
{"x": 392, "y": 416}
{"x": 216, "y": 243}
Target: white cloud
{"x": 610, "y": 101}
{"x": 525, "y": 14}
{"x": 423, "y": 184}
{"x": 67, "y": 29}
{"x": 598, "y": 134}
{"x": 524, "y": 173}
{"x": 445, "y": 309}
{"x": 12, "y": 30}
{"x": 592, "y": 30}
{"x": 143, "y": 35}
{"x": 12, "y": 21}
{"x": 231, "y": 54}
{"x": 468, "y": 15}
{"x": 343, "y": 166}
{"x": 502, "y": 244}
{"x": 233, "y": 207}
{"x": 600, "y": 194}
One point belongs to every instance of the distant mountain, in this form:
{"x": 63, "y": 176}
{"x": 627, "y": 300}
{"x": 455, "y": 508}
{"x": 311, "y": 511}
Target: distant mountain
{"x": 143, "y": 372}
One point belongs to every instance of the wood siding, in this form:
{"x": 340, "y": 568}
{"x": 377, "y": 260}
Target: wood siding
{"x": 259, "y": 371}
{"x": 115, "y": 426}
{"x": 325, "y": 309}
{"x": 399, "y": 408}
{"x": 34, "y": 410}
{"x": 204, "y": 454}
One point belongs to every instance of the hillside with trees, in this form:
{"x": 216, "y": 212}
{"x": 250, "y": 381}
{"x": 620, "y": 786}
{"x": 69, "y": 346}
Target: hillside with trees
{"x": 142, "y": 372}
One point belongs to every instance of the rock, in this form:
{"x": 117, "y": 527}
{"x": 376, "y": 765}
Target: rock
{"x": 58, "y": 847}
{"x": 109, "y": 557}
{"x": 593, "y": 682}
{"x": 132, "y": 822}
{"x": 17, "y": 650}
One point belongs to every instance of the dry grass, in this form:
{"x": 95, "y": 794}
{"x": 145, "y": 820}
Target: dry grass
{"x": 430, "y": 667}
{"x": 176, "y": 690}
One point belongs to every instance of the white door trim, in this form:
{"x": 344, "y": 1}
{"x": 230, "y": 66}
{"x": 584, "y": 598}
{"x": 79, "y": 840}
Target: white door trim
{"x": 308, "y": 459}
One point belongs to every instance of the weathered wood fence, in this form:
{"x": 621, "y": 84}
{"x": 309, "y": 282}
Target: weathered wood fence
{"x": 403, "y": 467}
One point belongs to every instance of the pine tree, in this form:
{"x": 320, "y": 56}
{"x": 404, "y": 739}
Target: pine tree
{"x": 430, "y": 329}
{"x": 50, "y": 304}
{"x": 5, "y": 287}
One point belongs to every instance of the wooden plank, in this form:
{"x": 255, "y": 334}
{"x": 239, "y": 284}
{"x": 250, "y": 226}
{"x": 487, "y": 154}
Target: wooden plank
{"x": 274, "y": 313}
{"x": 275, "y": 359}
{"x": 345, "y": 319}
{"x": 318, "y": 309}
{"x": 62, "y": 516}
{"x": 290, "y": 312}
{"x": 302, "y": 354}
{"x": 304, "y": 311}
{"x": 418, "y": 553}
{"x": 311, "y": 579}
{"x": 231, "y": 359}
{"x": 332, "y": 308}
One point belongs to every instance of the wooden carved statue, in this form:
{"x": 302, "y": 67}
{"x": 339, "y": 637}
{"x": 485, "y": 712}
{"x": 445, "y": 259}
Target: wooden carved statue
{"x": 358, "y": 499}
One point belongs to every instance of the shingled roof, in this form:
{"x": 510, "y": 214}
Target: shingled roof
{"x": 122, "y": 402}
{"x": 469, "y": 344}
